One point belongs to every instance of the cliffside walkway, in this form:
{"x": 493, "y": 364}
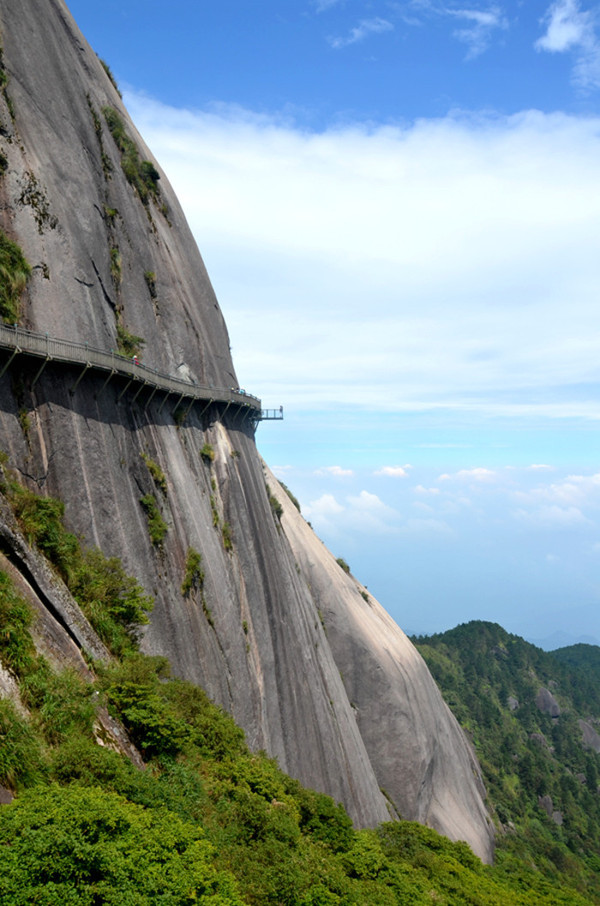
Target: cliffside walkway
{"x": 49, "y": 349}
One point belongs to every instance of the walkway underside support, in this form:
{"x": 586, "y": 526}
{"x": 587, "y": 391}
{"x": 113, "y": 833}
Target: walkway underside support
{"x": 112, "y": 373}
{"x": 139, "y": 390}
{"x": 164, "y": 401}
{"x": 125, "y": 388}
{"x": 206, "y": 407}
{"x": 177, "y": 403}
{"x": 16, "y": 350}
{"x": 40, "y": 369}
{"x": 149, "y": 400}
{"x": 76, "y": 384}
{"x": 186, "y": 413}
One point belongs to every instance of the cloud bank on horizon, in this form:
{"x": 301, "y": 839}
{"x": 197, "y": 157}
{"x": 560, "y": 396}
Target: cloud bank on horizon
{"x": 458, "y": 272}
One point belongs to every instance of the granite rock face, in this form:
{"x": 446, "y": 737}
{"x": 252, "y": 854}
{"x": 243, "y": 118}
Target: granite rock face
{"x": 547, "y": 703}
{"x": 102, "y": 257}
{"x": 590, "y": 736}
{"x": 408, "y": 729}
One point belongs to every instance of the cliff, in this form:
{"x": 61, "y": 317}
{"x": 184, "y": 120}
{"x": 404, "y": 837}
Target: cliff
{"x": 345, "y": 704}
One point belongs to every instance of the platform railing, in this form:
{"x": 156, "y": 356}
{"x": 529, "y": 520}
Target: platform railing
{"x": 49, "y": 349}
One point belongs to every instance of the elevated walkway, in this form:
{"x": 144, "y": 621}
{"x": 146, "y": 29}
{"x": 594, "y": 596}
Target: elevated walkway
{"x": 19, "y": 342}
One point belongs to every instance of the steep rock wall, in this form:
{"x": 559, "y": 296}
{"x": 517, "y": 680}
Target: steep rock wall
{"x": 421, "y": 756}
{"x": 252, "y": 636}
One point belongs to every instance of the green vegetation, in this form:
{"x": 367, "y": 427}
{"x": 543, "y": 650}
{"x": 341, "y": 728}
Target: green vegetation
{"x": 3, "y": 163}
{"x": 207, "y": 821}
{"x": 111, "y": 215}
{"x": 227, "y": 536}
{"x": 276, "y": 507}
{"x": 150, "y": 278}
{"x": 112, "y": 601}
{"x": 116, "y": 265}
{"x": 157, "y": 527}
{"x": 341, "y": 562}
{"x": 35, "y": 197}
{"x": 158, "y": 476}
{"x": 3, "y": 72}
{"x": 194, "y": 574}
{"x": 107, "y": 167}
{"x": 207, "y": 453}
{"x": 129, "y": 344}
{"x": 291, "y": 496}
{"x": 141, "y": 174}
{"x": 14, "y": 273}
{"x": 17, "y": 651}
{"x": 21, "y": 759}
{"x": 124, "y": 853}
{"x": 24, "y": 422}
{"x": 4, "y": 85}
{"x": 41, "y": 521}
{"x": 542, "y": 780}
{"x": 179, "y": 415}
{"x": 110, "y": 75}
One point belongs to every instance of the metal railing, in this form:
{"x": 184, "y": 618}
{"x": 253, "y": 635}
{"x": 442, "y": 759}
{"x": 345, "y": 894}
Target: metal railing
{"x": 50, "y": 349}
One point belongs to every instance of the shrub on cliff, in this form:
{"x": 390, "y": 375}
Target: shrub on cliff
{"x": 14, "y": 273}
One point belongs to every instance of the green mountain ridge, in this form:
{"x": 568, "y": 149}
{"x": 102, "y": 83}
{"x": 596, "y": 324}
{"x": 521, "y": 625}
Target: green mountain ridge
{"x": 534, "y": 720}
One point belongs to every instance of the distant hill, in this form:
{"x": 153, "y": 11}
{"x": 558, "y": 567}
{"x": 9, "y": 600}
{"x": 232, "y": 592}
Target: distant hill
{"x": 534, "y": 720}
{"x": 580, "y": 657}
{"x": 561, "y": 639}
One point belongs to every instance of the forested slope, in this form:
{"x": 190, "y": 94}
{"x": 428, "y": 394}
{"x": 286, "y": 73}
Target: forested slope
{"x": 534, "y": 718}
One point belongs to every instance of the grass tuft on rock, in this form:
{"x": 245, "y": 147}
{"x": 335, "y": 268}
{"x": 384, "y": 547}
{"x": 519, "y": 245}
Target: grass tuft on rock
{"x": 14, "y": 274}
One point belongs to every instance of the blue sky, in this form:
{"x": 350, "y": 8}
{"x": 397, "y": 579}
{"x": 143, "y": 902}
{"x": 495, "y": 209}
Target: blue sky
{"x": 398, "y": 205}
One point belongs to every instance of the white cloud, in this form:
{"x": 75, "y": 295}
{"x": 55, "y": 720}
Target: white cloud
{"x": 360, "y": 516}
{"x": 420, "y": 489}
{"x": 361, "y": 31}
{"x": 423, "y": 507}
{"x": 298, "y": 227}
{"x": 368, "y": 501}
{"x": 478, "y": 474}
{"x": 336, "y": 471}
{"x": 281, "y": 471}
{"x": 554, "y": 517}
{"x": 573, "y": 491}
{"x": 393, "y": 471}
{"x": 322, "y": 5}
{"x": 426, "y": 527}
{"x": 569, "y": 28}
{"x": 478, "y": 34}
{"x": 541, "y": 467}
{"x": 326, "y": 506}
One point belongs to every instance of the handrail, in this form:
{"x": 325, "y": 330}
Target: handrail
{"x": 51, "y": 349}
